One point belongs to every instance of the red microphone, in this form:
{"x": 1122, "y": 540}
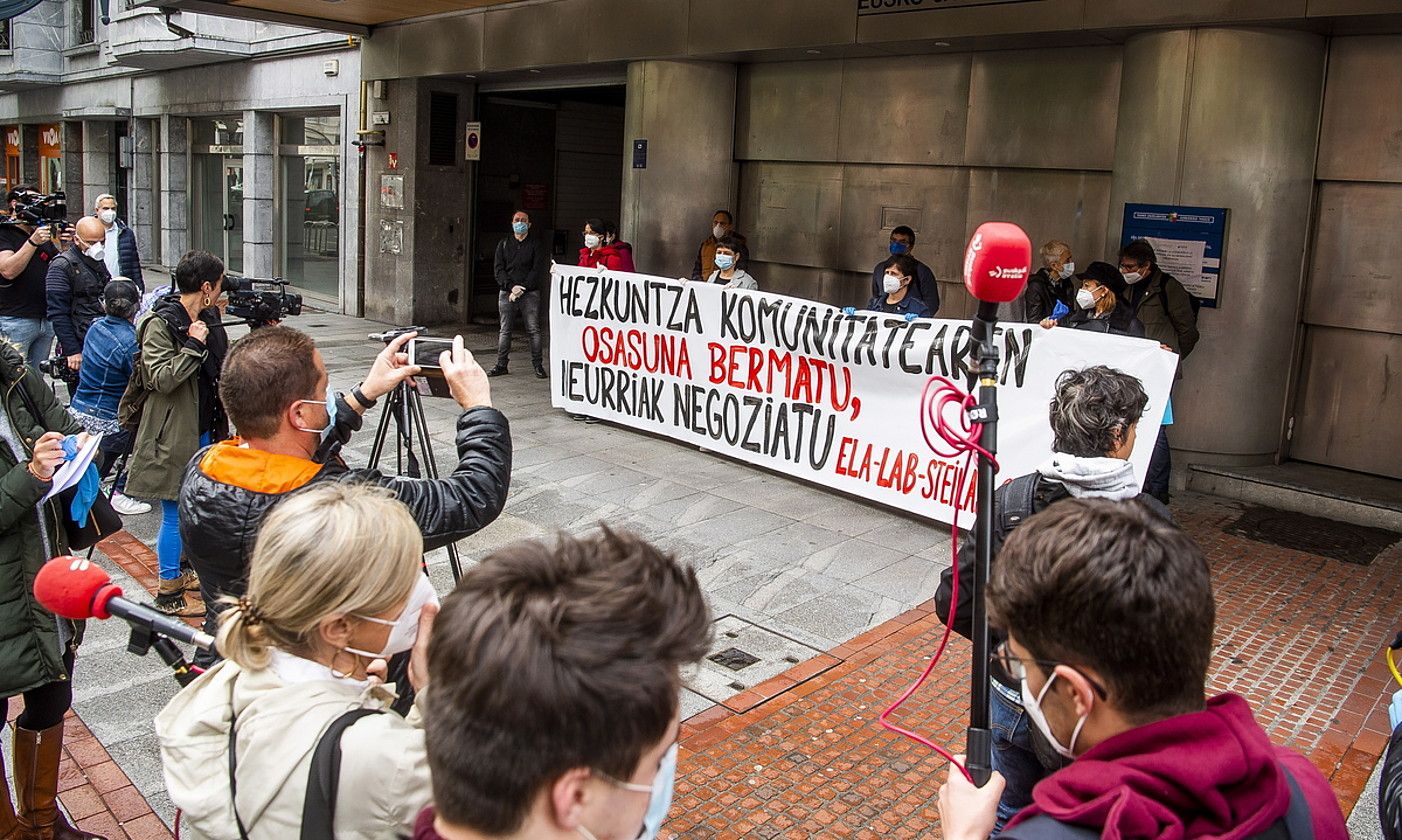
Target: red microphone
{"x": 76, "y": 588}
{"x": 997, "y": 262}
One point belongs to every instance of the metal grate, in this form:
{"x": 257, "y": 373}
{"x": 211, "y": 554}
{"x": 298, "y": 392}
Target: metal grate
{"x": 733, "y": 658}
{"x": 1341, "y": 541}
{"x": 442, "y": 128}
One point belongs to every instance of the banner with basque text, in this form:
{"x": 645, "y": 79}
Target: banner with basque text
{"x": 804, "y": 389}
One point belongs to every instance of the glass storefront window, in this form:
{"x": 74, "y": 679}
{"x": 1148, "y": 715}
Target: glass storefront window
{"x": 310, "y": 180}
{"x": 217, "y": 131}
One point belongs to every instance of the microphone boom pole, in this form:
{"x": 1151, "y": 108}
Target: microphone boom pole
{"x": 996, "y": 267}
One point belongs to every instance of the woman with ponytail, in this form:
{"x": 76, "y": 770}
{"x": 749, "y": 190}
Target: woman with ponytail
{"x": 335, "y": 588}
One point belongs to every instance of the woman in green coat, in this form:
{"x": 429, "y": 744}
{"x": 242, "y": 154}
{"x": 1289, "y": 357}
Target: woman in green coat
{"x": 182, "y": 349}
{"x": 36, "y": 647}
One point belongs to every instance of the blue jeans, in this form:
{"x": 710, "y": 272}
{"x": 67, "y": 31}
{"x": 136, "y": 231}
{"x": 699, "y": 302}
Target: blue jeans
{"x": 1013, "y": 755}
{"x": 169, "y": 548}
{"x": 34, "y": 336}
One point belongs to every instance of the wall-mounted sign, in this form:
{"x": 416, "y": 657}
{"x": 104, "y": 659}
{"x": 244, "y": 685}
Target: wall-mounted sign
{"x": 887, "y": 7}
{"x": 472, "y": 145}
{"x": 393, "y": 160}
{"x": 392, "y": 192}
{"x": 12, "y": 141}
{"x": 640, "y": 154}
{"x": 535, "y": 196}
{"x": 1188, "y": 243}
{"x": 391, "y": 236}
{"x": 50, "y": 141}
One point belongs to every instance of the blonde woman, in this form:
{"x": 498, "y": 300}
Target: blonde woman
{"x": 335, "y": 588}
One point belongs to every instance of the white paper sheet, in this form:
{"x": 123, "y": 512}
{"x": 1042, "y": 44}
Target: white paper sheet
{"x": 69, "y": 472}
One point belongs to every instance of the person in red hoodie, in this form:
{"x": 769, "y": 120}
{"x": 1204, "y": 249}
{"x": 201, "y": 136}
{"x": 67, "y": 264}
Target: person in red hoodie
{"x": 1109, "y": 614}
{"x": 621, "y": 248}
{"x": 598, "y": 252}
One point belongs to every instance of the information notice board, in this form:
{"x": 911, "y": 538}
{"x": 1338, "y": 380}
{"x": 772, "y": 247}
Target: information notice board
{"x": 1188, "y": 241}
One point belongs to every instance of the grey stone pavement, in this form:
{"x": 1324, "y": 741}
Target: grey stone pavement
{"x": 790, "y": 569}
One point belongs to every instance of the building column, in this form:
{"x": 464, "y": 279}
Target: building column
{"x": 690, "y": 158}
{"x": 175, "y": 198}
{"x": 141, "y": 215}
{"x": 259, "y": 180}
{"x": 73, "y": 166}
{"x": 29, "y": 156}
{"x": 99, "y": 166}
{"x": 1188, "y": 136}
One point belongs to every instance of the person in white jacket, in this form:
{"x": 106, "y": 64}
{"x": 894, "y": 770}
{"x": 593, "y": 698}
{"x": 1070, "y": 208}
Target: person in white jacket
{"x": 335, "y": 588}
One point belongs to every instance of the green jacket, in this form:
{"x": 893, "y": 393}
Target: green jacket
{"x": 31, "y": 650}
{"x": 169, "y": 433}
{"x": 1163, "y": 306}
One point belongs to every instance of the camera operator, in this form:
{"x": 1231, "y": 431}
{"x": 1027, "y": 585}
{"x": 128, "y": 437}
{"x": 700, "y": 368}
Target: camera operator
{"x": 1109, "y": 616}
{"x": 274, "y": 386}
{"x": 36, "y": 648}
{"x": 74, "y": 285}
{"x": 25, "y": 252}
{"x": 335, "y": 588}
{"x": 555, "y": 672}
{"x": 183, "y": 344}
{"x": 107, "y": 367}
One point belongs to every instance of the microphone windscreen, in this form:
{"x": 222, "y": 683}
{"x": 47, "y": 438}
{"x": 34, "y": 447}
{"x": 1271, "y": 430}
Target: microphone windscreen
{"x": 997, "y": 262}
{"x": 68, "y": 586}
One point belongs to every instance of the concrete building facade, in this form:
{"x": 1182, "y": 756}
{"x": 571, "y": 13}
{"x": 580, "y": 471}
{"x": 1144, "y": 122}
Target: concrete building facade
{"x": 232, "y": 136}
{"x": 825, "y": 123}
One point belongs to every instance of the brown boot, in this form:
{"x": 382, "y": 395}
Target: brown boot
{"x": 36, "y": 786}
{"x": 171, "y": 600}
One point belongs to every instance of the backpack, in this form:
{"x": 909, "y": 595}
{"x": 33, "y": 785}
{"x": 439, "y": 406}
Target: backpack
{"x": 133, "y": 402}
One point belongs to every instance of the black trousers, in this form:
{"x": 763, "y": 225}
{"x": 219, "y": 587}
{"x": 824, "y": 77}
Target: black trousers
{"x": 46, "y": 705}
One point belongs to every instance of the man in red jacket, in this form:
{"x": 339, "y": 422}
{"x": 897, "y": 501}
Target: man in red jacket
{"x": 1109, "y": 614}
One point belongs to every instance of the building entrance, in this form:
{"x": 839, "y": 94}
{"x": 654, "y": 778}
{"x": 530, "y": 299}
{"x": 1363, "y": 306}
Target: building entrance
{"x": 559, "y": 158}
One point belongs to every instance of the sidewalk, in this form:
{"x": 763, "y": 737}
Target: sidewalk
{"x": 827, "y": 594}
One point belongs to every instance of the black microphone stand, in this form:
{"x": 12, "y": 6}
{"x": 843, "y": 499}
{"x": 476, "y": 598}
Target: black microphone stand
{"x": 143, "y": 640}
{"x": 979, "y": 746}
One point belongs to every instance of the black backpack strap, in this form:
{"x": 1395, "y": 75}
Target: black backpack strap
{"x": 319, "y": 807}
{"x": 1297, "y": 818}
{"x": 1044, "y": 827}
{"x": 1016, "y": 502}
{"x": 233, "y": 776}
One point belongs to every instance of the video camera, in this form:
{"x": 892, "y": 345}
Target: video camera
{"x": 260, "y": 301}
{"x": 39, "y": 210}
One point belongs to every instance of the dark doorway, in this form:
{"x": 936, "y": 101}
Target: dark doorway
{"x": 558, "y": 155}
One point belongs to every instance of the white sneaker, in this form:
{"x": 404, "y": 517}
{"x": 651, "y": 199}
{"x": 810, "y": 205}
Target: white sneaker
{"x": 127, "y": 506}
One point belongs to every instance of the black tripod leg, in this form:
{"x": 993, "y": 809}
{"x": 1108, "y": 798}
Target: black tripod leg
{"x": 420, "y": 424}
{"x": 382, "y": 431}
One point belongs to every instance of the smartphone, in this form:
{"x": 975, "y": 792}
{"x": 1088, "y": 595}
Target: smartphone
{"x": 424, "y": 352}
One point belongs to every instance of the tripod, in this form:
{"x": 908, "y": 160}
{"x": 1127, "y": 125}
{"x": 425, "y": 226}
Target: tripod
{"x": 405, "y": 409}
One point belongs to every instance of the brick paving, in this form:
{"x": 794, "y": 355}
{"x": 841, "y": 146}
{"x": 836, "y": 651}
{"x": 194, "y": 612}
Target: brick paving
{"x": 1299, "y": 636}
{"x": 802, "y": 756}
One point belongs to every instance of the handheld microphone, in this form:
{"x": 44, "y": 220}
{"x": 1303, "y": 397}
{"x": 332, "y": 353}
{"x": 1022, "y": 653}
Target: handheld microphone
{"x": 996, "y": 266}
{"x": 75, "y": 588}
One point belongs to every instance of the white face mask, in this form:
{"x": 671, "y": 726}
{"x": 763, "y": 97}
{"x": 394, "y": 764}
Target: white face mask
{"x": 891, "y": 283}
{"x": 95, "y": 251}
{"x": 1132, "y": 277}
{"x": 1034, "y": 711}
{"x": 1067, "y": 270}
{"x": 1085, "y": 299}
{"x": 107, "y": 216}
{"x": 405, "y": 629}
{"x": 592, "y": 240}
{"x": 718, "y": 230}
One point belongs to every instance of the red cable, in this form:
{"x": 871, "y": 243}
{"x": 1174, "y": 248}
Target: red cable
{"x": 960, "y": 440}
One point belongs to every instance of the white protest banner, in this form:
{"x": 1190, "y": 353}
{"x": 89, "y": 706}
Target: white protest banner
{"x": 802, "y": 388}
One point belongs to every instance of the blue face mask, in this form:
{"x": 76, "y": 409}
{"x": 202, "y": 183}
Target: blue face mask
{"x": 520, "y": 227}
{"x": 660, "y": 792}
{"x": 330, "y": 418}
{"x": 898, "y": 248}
{"x": 725, "y": 262}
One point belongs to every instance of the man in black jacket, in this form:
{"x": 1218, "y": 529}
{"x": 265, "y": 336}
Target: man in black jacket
{"x": 73, "y": 287}
{"x": 522, "y": 265}
{"x": 1093, "y": 417}
{"x": 273, "y": 387}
